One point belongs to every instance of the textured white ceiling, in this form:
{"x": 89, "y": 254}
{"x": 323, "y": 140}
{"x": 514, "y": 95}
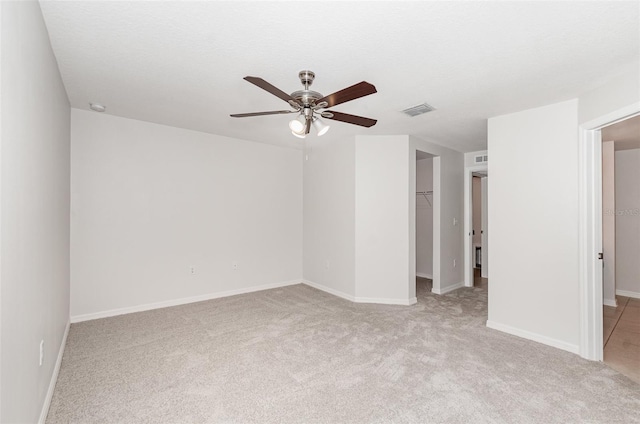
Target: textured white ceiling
{"x": 182, "y": 63}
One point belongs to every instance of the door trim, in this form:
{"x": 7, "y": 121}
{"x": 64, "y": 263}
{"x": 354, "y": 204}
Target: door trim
{"x": 590, "y": 229}
{"x": 468, "y": 221}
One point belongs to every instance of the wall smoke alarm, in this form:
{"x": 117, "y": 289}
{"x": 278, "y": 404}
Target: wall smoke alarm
{"x": 97, "y": 107}
{"x": 418, "y": 110}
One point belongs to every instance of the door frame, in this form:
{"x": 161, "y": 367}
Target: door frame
{"x": 590, "y": 229}
{"x": 484, "y": 226}
{"x": 468, "y": 221}
{"x": 436, "y": 205}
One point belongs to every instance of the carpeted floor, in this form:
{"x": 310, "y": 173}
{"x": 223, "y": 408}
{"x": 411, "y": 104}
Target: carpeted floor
{"x": 300, "y": 355}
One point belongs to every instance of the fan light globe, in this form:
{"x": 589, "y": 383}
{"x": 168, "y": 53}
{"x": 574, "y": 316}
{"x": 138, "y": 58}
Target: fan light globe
{"x": 320, "y": 126}
{"x": 297, "y": 125}
{"x": 303, "y": 135}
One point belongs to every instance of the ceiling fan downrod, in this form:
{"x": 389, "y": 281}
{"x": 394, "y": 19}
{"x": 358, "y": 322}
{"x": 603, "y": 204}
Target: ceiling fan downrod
{"x": 306, "y": 78}
{"x": 306, "y": 98}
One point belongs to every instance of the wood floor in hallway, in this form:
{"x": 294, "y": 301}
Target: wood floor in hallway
{"x": 622, "y": 337}
{"x": 478, "y": 280}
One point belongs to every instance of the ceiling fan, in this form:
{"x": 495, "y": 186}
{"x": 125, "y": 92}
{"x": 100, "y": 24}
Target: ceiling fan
{"x": 308, "y": 104}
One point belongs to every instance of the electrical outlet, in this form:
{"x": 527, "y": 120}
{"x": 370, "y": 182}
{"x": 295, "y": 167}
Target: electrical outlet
{"x": 192, "y": 270}
{"x": 455, "y": 221}
{"x": 41, "y": 352}
{"x": 235, "y": 266}
{"x": 454, "y": 263}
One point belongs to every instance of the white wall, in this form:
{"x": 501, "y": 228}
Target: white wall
{"x": 381, "y": 216}
{"x": 424, "y": 218}
{"x": 628, "y": 221}
{"x": 149, "y": 202}
{"x": 34, "y": 226}
{"x": 608, "y": 224}
{"x": 329, "y": 214}
{"x": 470, "y": 159}
{"x": 533, "y": 220}
{"x": 360, "y": 216}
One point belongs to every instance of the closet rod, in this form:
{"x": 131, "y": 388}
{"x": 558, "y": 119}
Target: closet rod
{"x": 424, "y": 193}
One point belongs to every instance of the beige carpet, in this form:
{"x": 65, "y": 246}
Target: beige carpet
{"x": 299, "y": 355}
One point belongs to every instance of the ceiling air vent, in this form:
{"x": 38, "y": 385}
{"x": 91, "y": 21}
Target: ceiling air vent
{"x": 481, "y": 159}
{"x": 418, "y": 110}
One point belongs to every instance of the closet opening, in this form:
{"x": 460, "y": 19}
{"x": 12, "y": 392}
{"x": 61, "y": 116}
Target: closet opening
{"x": 426, "y": 247}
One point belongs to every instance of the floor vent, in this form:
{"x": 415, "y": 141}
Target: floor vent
{"x": 418, "y": 110}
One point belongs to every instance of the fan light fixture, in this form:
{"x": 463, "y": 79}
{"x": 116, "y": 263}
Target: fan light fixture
{"x": 297, "y": 125}
{"x": 320, "y": 126}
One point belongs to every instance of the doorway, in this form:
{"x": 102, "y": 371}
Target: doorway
{"x": 424, "y": 236}
{"x": 479, "y": 229}
{"x": 476, "y": 249}
{"x": 621, "y": 245}
{"x": 590, "y": 230}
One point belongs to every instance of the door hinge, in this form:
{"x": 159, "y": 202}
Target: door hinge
{"x": 600, "y": 255}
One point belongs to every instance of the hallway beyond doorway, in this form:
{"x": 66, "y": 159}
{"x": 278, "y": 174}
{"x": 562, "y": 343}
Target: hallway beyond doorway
{"x": 478, "y": 280}
{"x": 622, "y": 337}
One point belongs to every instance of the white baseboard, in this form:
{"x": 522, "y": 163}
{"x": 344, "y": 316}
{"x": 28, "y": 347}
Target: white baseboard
{"x": 534, "y": 336}
{"x": 382, "y": 301}
{"x": 610, "y": 302}
{"x": 628, "y": 293}
{"x": 330, "y": 290}
{"x": 176, "y": 302}
{"x": 422, "y": 275}
{"x": 54, "y": 377}
{"x": 445, "y": 290}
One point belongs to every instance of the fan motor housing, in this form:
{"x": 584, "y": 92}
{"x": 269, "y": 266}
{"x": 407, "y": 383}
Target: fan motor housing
{"x": 307, "y": 97}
